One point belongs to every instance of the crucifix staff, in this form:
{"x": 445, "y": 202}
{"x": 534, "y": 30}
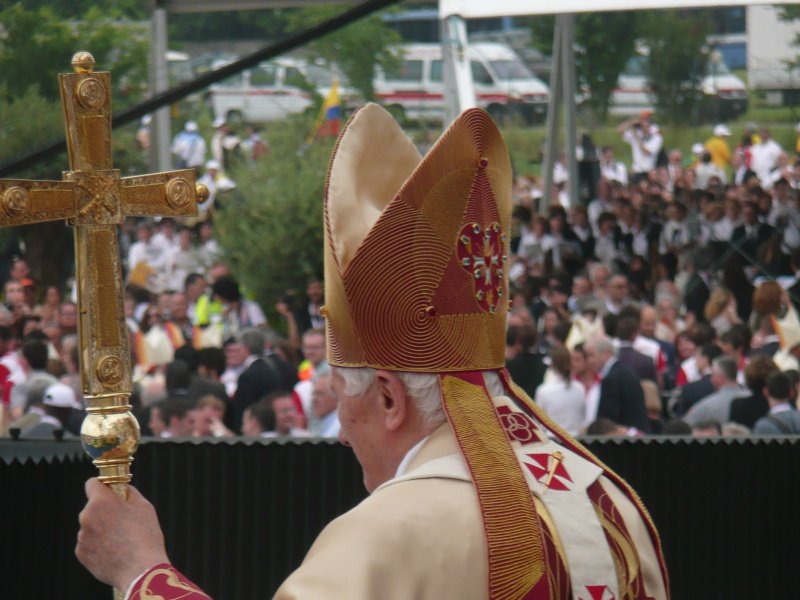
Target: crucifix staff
{"x": 95, "y": 200}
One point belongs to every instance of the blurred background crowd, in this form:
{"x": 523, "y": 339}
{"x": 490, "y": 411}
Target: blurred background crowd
{"x": 663, "y": 303}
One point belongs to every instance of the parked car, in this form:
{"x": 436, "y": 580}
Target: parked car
{"x": 272, "y": 90}
{"x": 726, "y": 93}
{"x": 503, "y": 85}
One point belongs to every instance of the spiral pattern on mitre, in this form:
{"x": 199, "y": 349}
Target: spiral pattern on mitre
{"x": 393, "y": 289}
{"x": 404, "y": 302}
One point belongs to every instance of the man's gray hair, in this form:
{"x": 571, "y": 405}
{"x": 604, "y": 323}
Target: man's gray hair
{"x": 603, "y": 344}
{"x": 423, "y": 388}
{"x": 254, "y": 340}
{"x": 726, "y": 366}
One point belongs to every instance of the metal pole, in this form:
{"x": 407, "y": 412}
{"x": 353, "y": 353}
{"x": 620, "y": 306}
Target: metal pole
{"x": 160, "y": 134}
{"x": 459, "y": 91}
{"x": 571, "y": 135}
{"x": 551, "y": 136}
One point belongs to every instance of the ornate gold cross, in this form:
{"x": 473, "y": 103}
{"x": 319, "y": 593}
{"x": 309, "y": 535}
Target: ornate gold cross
{"x": 94, "y": 199}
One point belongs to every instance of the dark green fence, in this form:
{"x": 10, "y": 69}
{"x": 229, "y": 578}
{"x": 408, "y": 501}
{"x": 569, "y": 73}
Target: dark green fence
{"x": 238, "y": 517}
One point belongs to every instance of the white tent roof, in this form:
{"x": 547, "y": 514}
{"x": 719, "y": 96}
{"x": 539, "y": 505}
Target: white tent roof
{"x": 469, "y": 9}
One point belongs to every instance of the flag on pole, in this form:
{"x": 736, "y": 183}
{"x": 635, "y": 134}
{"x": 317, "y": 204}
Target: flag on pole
{"x": 327, "y": 123}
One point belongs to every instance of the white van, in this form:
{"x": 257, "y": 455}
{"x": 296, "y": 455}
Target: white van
{"x": 726, "y": 93}
{"x": 270, "y": 91}
{"x": 503, "y": 85}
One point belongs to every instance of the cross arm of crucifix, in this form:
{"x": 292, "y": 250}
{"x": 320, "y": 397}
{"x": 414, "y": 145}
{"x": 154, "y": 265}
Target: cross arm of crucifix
{"x": 85, "y": 197}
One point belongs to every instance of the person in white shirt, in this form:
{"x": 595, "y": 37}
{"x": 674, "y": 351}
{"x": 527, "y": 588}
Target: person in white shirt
{"x": 605, "y": 246}
{"x": 764, "y": 156}
{"x": 216, "y": 181}
{"x": 145, "y": 251}
{"x": 612, "y": 169}
{"x": 183, "y": 260}
{"x": 645, "y": 141}
{"x": 166, "y": 236}
{"x": 563, "y": 399}
{"x": 189, "y": 147}
{"x": 675, "y": 237}
{"x": 534, "y": 243}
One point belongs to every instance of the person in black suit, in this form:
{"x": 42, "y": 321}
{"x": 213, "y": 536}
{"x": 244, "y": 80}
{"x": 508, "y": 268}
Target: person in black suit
{"x": 691, "y": 393}
{"x": 258, "y": 378}
{"x": 621, "y": 394}
{"x": 697, "y": 291}
{"x": 308, "y": 312}
{"x": 750, "y": 409}
{"x": 642, "y": 365}
{"x": 210, "y": 364}
{"x": 751, "y": 234}
{"x": 525, "y": 366}
{"x": 736, "y": 280}
{"x": 794, "y": 290}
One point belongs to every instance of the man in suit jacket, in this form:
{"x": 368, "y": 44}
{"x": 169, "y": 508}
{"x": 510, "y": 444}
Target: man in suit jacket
{"x": 751, "y": 234}
{"x": 526, "y": 367}
{"x": 691, "y": 393}
{"x": 621, "y": 394}
{"x": 794, "y": 290}
{"x": 782, "y": 418}
{"x": 641, "y": 364}
{"x": 751, "y": 408}
{"x": 258, "y": 378}
{"x": 697, "y": 290}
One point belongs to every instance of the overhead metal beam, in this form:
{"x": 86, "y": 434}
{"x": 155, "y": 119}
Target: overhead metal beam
{"x": 469, "y": 9}
{"x": 199, "y": 6}
{"x": 196, "y": 6}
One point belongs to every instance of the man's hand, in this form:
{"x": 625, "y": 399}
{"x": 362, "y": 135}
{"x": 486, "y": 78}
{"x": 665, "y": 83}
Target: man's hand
{"x": 119, "y": 539}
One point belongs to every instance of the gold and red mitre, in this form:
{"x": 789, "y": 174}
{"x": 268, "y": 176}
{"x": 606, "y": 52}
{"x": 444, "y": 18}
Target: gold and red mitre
{"x": 416, "y": 250}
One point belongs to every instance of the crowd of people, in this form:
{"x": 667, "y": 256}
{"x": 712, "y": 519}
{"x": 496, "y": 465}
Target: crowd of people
{"x": 664, "y": 304}
{"x": 667, "y": 302}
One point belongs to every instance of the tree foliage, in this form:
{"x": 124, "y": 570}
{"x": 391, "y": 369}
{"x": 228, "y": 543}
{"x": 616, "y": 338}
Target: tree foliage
{"x": 228, "y": 25}
{"x": 792, "y": 13}
{"x": 356, "y": 49}
{"x": 604, "y": 41}
{"x": 677, "y": 61}
{"x": 77, "y": 9}
{"x": 272, "y": 232}
{"x": 38, "y": 44}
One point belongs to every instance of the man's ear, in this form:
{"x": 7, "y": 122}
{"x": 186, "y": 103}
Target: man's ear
{"x": 393, "y": 399}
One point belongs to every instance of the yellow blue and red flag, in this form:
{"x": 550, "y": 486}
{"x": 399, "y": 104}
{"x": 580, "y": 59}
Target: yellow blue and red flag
{"x": 330, "y": 114}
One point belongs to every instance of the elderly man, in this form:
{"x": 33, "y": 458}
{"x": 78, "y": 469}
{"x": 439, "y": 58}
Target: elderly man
{"x": 716, "y": 407}
{"x": 621, "y": 394}
{"x": 325, "y": 403}
{"x": 258, "y": 378}
{"x": 470, "y": 496}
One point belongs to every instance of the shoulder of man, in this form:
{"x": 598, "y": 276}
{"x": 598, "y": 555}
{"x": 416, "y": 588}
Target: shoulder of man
{"x": 384, "y": 531}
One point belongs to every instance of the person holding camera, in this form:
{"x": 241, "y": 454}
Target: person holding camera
{"x": 644, "y": 138}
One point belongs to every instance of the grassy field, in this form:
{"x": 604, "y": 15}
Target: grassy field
{"x": 526, "y": 144}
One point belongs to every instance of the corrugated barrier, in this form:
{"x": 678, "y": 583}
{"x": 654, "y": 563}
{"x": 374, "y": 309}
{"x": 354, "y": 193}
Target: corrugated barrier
{"x": 239, "y": 516}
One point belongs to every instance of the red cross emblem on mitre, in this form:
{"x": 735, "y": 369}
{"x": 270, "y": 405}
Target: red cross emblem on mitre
{"x": 480, "y": 250}
{"x": 429, "y": 234}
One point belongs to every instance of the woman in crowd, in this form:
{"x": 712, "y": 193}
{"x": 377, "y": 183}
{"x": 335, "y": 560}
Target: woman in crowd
{"x": 562, "y": 398}
{"x": 721, "y": 311}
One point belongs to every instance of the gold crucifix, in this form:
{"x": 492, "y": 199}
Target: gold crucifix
{"x": 94, "y": 199}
